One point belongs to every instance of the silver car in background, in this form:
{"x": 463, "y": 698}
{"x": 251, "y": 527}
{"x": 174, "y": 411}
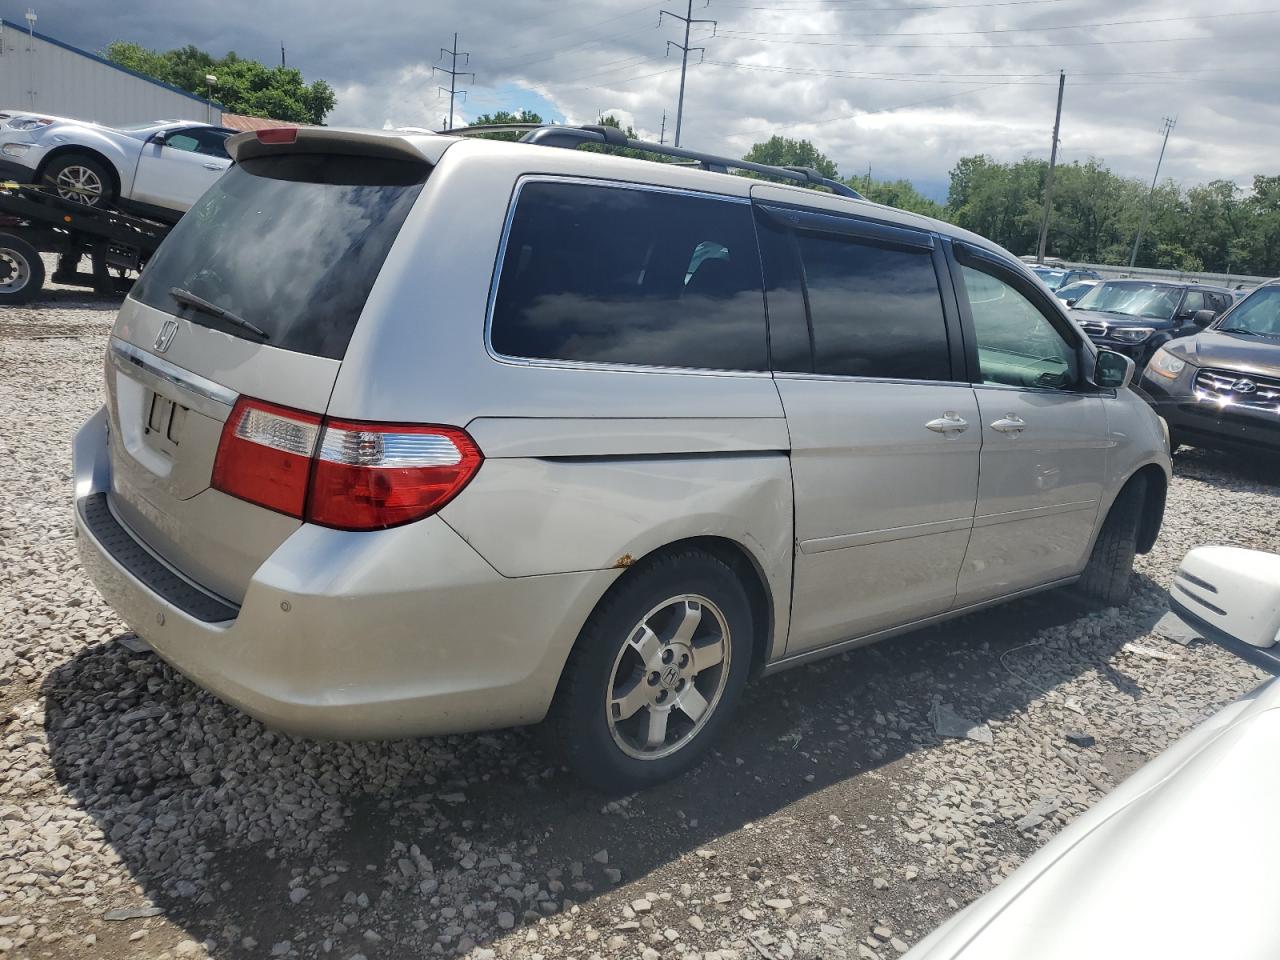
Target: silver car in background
{"x": 410, "y": 434}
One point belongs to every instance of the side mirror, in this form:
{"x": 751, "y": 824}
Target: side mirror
{"x": 1232, "y": 596}
{"x": 1202, "y": 318}
{"x": 1113, "y": 369}
{"x": 1071, "y": 301}
{"x": 159, "y": 138}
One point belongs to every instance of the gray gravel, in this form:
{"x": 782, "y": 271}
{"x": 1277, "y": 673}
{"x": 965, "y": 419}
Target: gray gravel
{"x": 141, "y": 817}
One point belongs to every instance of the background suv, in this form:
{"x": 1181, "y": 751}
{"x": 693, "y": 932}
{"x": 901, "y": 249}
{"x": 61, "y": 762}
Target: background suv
{"x": 1137, "y": 317}
{"x": 412, "y": 434}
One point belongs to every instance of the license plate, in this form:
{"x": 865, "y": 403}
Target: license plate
{"x": 164, "y": 421}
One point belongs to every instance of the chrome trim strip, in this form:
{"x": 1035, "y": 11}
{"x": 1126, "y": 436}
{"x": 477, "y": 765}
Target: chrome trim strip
{"x": 200, "y": 394}
{"x": 586, "y": 364}
{"x": 886, "y": 535}
{"x": 1053, "y": 509}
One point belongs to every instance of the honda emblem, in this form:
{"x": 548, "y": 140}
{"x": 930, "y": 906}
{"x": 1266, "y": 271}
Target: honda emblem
{"x": 166, "y": 335}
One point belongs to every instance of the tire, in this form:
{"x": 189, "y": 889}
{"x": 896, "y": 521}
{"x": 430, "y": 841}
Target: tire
{"x": 1106, "y": 576}
{"x": 21, "y": 270}
{"x": 1175, "y": 441}
{"x": 618, "y": 676}
{"x": 78, "y": 177}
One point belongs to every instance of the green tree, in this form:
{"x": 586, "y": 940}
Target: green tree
{"x": 898, "y": 193}
{"x": 785, "y": 152}
{"x": 500, "y": 117}
{"x": 611, "y": 121}
{"x": 243, "y": 86}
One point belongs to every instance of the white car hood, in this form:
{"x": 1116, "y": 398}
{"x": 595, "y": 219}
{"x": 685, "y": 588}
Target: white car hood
{"x": 1182, "y": 860}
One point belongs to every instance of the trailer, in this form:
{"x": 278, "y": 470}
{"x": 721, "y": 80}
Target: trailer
{"x": 34, "y": 221}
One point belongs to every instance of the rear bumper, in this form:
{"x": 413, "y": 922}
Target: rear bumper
{"x": 400, "y": 632}
{"x": 1208, "y": 424}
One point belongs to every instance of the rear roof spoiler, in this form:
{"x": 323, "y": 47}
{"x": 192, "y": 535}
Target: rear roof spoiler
{"x": 359, "y": 143}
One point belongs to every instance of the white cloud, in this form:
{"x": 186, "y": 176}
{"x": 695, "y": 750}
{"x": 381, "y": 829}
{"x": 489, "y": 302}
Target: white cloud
{"x": 915, "y": 87}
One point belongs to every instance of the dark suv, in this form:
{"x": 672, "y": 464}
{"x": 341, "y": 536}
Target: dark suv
{"x": 1057, "y": 277}
{"x": 1136, "y": 317}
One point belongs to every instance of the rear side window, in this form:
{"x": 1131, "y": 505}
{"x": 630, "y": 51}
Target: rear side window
{"x": 292, "y": 244}
{"x": 875, "y": 311}
{"x": 618, "y": 275}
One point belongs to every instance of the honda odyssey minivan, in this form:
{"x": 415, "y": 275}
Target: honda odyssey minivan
{"x": 413, "y": 434}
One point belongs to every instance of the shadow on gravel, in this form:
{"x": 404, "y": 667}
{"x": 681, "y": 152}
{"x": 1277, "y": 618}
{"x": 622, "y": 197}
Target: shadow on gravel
{"x": 218, "y": 818}
{"x": 1258, "y": 468}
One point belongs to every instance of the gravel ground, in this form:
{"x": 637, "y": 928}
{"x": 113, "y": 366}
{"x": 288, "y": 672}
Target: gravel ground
{"x": 141, "y": 817}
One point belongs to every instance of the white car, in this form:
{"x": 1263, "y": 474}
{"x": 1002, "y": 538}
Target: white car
{"x": 1182, "y": 860}
{"x": 158, "y": 169}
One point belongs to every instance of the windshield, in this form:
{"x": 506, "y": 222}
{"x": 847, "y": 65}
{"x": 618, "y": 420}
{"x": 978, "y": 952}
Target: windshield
{"x": 289, "y": 244}
{"x": 1073, "y": 291}
{"x": 1051, "y": 278}
{"x": 1151, "y": 301}
{"x": 1259, "y": 314}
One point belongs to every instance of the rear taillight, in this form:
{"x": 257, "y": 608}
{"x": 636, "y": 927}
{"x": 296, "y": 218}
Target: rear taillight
{"x": 368, "y": 476}
{"x": 265, "y": 454}
{"x": 338, "y": 473}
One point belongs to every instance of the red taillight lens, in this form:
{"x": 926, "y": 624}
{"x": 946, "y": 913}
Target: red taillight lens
{"x": 278, "y": 135}
{"x": 369, "y": 476}
{"x": 265, "y": 454}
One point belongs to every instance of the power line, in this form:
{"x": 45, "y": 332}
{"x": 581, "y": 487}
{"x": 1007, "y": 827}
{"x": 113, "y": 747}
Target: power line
{"x": 454, "y": 73}
{"x": 684, "y": 49}
{"x": 972, "y": 46}
{"x": 1000, "y": 79}
{"x": 1000, "y": 30}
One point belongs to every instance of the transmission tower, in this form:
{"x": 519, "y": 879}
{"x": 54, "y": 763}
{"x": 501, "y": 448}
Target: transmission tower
{"x": 684, "y": 49}
{"x": 454, "y": 73}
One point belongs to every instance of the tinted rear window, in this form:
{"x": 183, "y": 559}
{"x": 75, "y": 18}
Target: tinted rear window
{"x": 290, "y": 243}
{"x": 875, "y": 311}
{"x": 616, "y": 275}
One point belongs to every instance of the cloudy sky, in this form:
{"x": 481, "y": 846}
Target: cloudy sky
{"x": 904, "y": 87}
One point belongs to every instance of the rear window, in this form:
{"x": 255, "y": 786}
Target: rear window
{"x": 291, "y": 244}
{"x": 619, "y": 275}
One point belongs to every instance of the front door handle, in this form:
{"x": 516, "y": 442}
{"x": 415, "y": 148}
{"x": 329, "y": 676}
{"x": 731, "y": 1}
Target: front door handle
{"x": 949, "y": 423}
{"x": 1010, "y": 424}
{"x": 213, "y": 166}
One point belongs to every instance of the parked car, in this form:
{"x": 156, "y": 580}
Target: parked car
{"x": 365, "y": 483}
{"x": 1071, "y": 292}
{"x": 1055, "y": 277}
{"x": 1221, "y": 388}
{"x": 1137, "y": 317}
{"x": 159, "y": 169}
{"x": 1103, "y": 887}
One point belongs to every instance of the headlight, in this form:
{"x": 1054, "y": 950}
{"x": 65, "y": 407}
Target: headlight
{"x": 15, "y": 149}
{"x": 1165, "y": 364}
{"x": 30, "y": 123}
{"x": 1132, "y": 334}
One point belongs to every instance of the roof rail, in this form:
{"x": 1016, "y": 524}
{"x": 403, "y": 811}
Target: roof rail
{"x": 571, "y": 138}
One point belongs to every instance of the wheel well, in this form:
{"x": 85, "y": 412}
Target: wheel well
{"x": 89, "y": 152}
{"x": 737, "y": 558}
{"x": 1156, "y": 488}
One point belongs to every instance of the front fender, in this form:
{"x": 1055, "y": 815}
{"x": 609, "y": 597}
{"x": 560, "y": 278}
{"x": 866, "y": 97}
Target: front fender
{"x": 67, "y": 138}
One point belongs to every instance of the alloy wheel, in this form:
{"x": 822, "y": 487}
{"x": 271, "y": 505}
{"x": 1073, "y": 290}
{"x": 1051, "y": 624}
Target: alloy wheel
{"x": 668, "y": 677}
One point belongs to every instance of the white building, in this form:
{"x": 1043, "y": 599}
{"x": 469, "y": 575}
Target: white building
{"x": 44, "y": 75}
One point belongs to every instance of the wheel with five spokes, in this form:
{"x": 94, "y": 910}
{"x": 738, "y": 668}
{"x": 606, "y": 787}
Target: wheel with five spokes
{"x": 656, "y": 672}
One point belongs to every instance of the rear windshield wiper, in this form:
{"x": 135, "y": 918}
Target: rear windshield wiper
{"x": 212, "y": 309}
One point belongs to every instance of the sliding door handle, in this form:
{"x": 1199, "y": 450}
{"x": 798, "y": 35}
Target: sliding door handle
{"x": 1010, "y": 424}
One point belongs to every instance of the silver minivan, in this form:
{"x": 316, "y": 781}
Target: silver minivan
{"x": 420, "y": 434}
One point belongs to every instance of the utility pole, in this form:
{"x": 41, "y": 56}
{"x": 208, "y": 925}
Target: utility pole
{"x": 282, "y": 63}
{"x": 454, "y": 73}
{"x": 1169, "y": 124}
{"x": 684, "y": 49}
{"x": 662, "y": 134}
{"x": 1048, "y": 180}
